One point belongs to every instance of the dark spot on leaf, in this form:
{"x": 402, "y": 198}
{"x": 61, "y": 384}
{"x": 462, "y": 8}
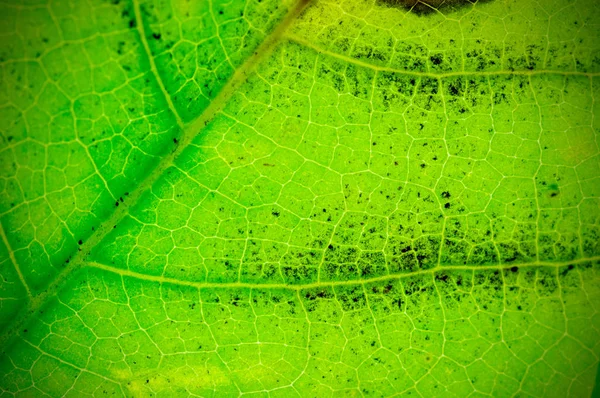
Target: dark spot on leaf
{"x": 436, "y": 59}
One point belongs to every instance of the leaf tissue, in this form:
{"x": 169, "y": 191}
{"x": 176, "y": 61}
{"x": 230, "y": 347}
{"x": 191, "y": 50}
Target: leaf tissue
{"x": 299, "y": 198}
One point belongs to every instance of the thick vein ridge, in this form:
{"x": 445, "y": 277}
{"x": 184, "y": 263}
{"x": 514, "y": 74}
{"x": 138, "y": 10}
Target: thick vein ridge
{"x": 189, "y": 131}
{"x": 305, "y": 43}
{"x": 439, "y": 268}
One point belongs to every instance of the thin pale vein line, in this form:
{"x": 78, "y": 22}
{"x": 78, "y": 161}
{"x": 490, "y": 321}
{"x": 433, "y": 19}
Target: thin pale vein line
{"x": 11, "y": 254}
{"x": 230, "y": 285}
{"x": 58, "y": 359}
{"x": 142, "y": 33}
{"x": 191, "y": 130}
{"x": 298, "y": 40}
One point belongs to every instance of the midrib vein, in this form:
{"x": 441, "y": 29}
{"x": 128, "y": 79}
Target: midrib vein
{"x": 189, "y": 131}
{"x": 305, "y": 43}
{"x": 383, "y": 278}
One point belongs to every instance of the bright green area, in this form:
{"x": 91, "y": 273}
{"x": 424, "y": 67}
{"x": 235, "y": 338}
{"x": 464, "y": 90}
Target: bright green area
{"x": 320, "y": 170}
{"x": 197, "y": 45}
{"x": 438, "y": 334}
{"x": 83, "y": 121}
{"x": 13, "y": 295}
{"x": 83, "y": 118}
{"x": 393, "y": 202}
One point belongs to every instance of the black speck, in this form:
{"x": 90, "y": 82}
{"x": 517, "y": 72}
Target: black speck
{"x": 436, "y": 59}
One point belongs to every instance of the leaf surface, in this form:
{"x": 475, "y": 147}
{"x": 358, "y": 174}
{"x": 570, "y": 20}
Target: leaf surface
{"x": 300, "y": 199}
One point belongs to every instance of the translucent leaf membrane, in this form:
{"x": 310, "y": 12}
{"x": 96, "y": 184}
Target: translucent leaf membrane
{"x": 197, "y": 46}
{"x": 84, "y": 118}
{"x": 320, "y": 170}
{"x": 13, "y": 295}
{"x": 391, "y": 197}
{"x": 82, "y": 121}
{"x": 498, "y": 331}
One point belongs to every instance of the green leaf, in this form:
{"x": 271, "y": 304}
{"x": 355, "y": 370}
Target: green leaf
{"x": 299, "y": 198}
